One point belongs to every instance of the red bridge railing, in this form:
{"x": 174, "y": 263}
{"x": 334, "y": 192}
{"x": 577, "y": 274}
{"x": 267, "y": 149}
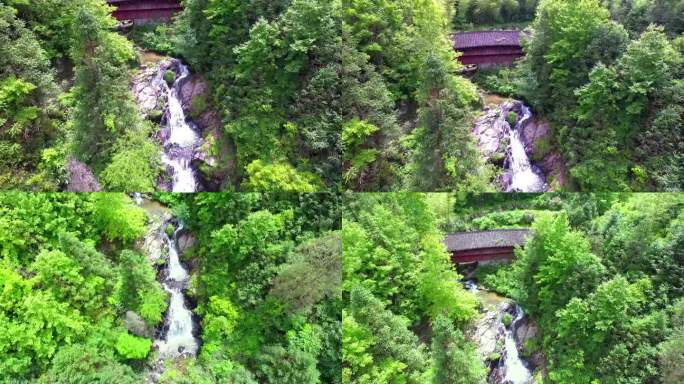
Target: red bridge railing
{"x": 145, "y": 10}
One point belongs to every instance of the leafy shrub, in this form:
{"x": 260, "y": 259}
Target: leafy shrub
{"x": 170, "y": 77}
{"x": 133, "y": 347}
{"x": 512, "y": 118}
{"x": 82, "y": 364}
{"x": 507, "y": 319}
{"x": 117, "y": 216}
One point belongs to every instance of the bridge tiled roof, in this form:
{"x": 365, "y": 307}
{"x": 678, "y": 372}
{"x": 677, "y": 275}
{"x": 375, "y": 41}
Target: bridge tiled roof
{"x": 486, "y": 239}
{"x": 479, "y": 39}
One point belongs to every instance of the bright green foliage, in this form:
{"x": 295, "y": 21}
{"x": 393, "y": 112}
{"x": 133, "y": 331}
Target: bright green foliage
{"x": 118, "y": 217}
{"x": 392, "y": 248}
{"x": 68, "y": 281}
{"x": 137, "y": 288}
{"x": 269, "y": 283}
{"x": 642, "y": 237}
{"x": 569, "y": 38}
{"x": 28, "y": 221}
{"x": 135, "y": 163}
{"x": 445, "y": 156}
{"x": 27, "y": 103}
{"x": 314, "y": 272}
{"x": 441, "y": 293}
{"x": 609, "y": 312}
{"x": 279, "y": 177}
{"x": 593, "y": 323}
{"x": 454, "y": 359}
{"x": 478, "y": 12}
{"x": 554, "y": 257}
{"x": 395, "y": 355}
{"x": 81, "y": 364}
{"x": 133, "y": 347}
{"x": 282, "y": 106}
{"x": 34, "y": 326}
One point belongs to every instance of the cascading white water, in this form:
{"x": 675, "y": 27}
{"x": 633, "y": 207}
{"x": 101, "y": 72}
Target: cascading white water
{"x": 490, "y": 331}
{"x": 179, "y": 339}
{"x": 183, "y": 140}
{"x": 515, "y": 371}
{"x": 523, "y": 176}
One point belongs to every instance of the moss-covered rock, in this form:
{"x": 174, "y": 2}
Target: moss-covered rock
{"x": 170, "y": 230}
{"x": 169, "y": 77}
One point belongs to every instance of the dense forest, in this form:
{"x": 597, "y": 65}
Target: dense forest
{"x": 273, "y": 70}
{"x": 307, "y": 95}
{"x": 81, "y": 299}
{"x": 606, "y": 74}
{"x": 601, "y": 278}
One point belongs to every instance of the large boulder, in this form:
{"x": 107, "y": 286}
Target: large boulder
{"x": 136, "y": 325}
{"x": 488, "y": 331}
{"x": 148, "y": 89}
{"x": 80, "y": 178}
{"x": 490, "y": 129}
{"x": 534, "y": 133}
{"x": 185, "y": 241}
{"x": 153, "y": 244}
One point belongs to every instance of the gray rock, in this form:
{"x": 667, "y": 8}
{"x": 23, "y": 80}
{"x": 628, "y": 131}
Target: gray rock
{"x": 534, "y": 131}
{"x": 136, "y": 325}
{"x": 487, "y": 330}
{"x": 526, "y": 330}
{"x": 185, "y": 241}
{"x": 81, "y": 178}
{"x": 148, "y": 88}
{"x": 554, "y": 165}
{"x": 194, "y": 86}
{"x": 490, "y": 129}
{"x": 154, "y": 245}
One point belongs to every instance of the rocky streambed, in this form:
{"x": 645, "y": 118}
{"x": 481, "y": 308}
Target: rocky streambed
{"x": 178, "y": 335}
{"x": 196, "y": 157}
{"x": 503, "y": 335}
{"x": 516, "y": 141}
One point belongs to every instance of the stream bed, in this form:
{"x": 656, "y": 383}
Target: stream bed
{"x": 157, "y": 90}
{"x": 176, "y": 337}
{"x": 500, "y": 134}
{"x": 497, "y": 344}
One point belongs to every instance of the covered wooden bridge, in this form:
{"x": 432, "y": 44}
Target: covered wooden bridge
{"x": 471, "y": 247}
{"x": 488, "y": 48}
{"x": 145, "y": 10}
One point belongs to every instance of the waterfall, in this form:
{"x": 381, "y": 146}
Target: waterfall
{"x": 182, "y": 139}
{"x": 515, "y": 370}
{"x": 491, "y": 335}
{"x": 524, "y": 178}
{"x": 505, "y": 145}
{"x": 178, "y": 339}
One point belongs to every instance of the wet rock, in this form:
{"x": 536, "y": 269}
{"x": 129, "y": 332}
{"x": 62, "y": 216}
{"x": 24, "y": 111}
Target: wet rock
{"x": 81, "y": 178}
{"x": 554, "y": 166}
{"x": 490, "y": 130}
{"x": 533, "y": 132}
{"x": 136, "y": 325}
{"x": 194, "y": 86}
{"x": 153, "y": 245}
{"x": 487, "y": 330}
{"x": 526, "y": 330}
{"x": 148, "y": 89}
{"x": 185, "y": 241}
